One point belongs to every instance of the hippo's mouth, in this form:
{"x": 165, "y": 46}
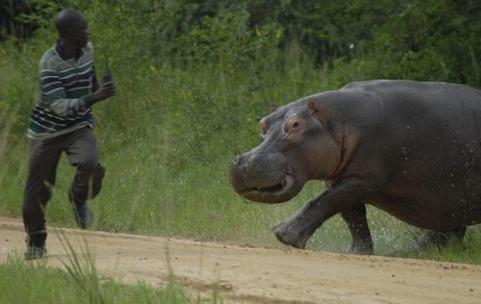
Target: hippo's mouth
{"x": 279, "y": 192}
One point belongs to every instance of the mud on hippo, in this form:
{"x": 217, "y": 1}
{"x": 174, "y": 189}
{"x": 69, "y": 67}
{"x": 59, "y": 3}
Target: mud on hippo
{"x": 412, "y": 149}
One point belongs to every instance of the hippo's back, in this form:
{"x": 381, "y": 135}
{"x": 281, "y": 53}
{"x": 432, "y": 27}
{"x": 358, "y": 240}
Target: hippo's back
{"x": 428, "y": 142}
{"x": 439, "y": 95}
{"x": 433, "y": 108}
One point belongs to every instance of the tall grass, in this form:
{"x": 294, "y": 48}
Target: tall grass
{"x": 78, "y": 281}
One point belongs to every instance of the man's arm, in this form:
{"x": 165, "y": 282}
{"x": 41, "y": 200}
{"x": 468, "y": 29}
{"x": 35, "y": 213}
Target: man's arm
{"x": 55, "y": 95}
{"x": 105, "y": 90}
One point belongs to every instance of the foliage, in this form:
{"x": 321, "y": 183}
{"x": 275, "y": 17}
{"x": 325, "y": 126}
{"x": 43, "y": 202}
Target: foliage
{"x": 423, "y": 40}
{"x": 36, "y": 282}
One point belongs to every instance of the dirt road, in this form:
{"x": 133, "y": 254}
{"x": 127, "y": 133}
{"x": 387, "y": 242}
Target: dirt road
{"x": 260, "y": 275}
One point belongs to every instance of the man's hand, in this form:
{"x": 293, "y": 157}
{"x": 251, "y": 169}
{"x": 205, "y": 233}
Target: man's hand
{"x": 106, "y": 90}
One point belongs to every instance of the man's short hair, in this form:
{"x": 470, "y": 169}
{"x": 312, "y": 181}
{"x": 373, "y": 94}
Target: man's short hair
{"x": 68, "y": 20}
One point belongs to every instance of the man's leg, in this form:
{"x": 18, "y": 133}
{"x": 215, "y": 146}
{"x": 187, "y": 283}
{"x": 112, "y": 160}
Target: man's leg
{"x": 44, "y": 156}
{"x": 82, "y": 152}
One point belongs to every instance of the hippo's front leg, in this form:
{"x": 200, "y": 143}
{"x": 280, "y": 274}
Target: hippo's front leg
{"x": 343, "y": 195}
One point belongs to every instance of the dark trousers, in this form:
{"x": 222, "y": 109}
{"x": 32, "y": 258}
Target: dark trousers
{"x": 81, "y": 149}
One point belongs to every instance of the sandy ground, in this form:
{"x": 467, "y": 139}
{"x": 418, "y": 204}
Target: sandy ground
{"x": 261, "y": 275}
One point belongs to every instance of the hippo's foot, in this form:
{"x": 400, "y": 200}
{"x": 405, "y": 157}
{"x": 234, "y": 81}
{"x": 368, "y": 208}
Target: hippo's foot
{"x": 290, "y": 236}
{"x": 361, "y": 247}
{"x": 440, "y": 239}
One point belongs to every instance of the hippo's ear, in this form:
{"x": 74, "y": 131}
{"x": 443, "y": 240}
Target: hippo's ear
{"x": 273, "y": 106}
{"x": 318, "y": 111}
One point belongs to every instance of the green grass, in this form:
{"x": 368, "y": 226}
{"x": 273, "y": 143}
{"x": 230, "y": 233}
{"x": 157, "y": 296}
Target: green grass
{"x": 25, "y": 282}
{"x": 168, "y": 147}
{"x": 79, "y": 282}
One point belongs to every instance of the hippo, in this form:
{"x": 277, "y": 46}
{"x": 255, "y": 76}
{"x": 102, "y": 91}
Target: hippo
{"x": 412, "y": 149}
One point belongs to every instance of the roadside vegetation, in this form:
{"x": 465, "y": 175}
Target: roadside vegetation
{"x": 193, "y": 79}
{"x": 24, "y": 282}
{"x": 78, "y": 281}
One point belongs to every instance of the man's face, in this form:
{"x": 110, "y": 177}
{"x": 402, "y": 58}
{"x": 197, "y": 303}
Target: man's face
{"x": 82, "y": 35}
{"x": 77, "y": 33}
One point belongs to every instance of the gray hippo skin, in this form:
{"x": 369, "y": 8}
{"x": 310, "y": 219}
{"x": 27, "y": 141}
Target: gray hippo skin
{"x": 412, "y": 149}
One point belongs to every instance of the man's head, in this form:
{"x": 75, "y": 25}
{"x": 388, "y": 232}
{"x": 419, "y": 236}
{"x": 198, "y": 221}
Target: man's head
{"x": 72, "y": 27}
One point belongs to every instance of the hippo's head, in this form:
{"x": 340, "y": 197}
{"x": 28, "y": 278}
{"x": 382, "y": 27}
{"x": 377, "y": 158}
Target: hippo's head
{"x": 298, "y": 144}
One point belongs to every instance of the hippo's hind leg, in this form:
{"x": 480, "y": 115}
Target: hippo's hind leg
{"x": 356, "y": 221}
{"x": 440, "y": 239}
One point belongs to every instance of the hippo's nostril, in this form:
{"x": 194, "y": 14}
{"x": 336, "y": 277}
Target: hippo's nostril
{"x": 237, "y": 161}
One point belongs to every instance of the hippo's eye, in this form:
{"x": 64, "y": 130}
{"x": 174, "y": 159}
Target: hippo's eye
{"x": 291, "y": 126}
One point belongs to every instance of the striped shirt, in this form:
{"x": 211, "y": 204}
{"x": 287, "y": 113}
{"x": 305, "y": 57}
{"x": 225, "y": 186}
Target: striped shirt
{"x": 63, "y": 85}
